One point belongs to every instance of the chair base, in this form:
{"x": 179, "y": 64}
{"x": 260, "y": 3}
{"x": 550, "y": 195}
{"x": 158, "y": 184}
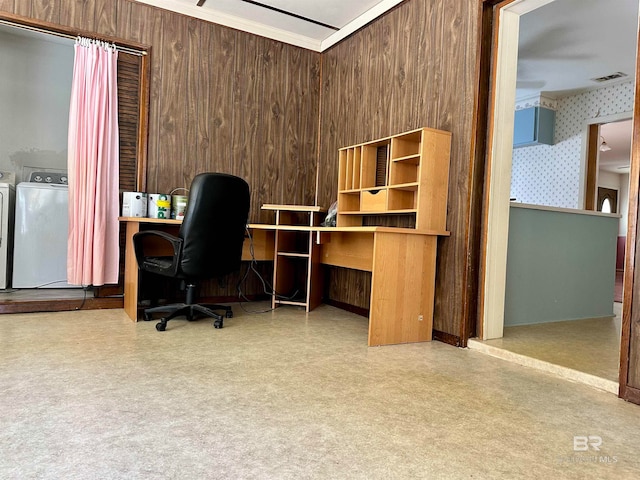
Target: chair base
{"x": 190, "y": 311}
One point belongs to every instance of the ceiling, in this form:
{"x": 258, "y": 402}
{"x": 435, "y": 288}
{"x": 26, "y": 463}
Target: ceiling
{"x": 312, "y": 24}
{"x": 565, "y": 44}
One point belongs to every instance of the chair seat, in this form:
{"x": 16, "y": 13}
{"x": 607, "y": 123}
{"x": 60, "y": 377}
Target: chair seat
{"x": 157, "y": 264}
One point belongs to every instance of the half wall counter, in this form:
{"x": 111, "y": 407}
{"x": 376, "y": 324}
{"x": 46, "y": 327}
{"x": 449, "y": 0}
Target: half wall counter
{"x": 561, "y": 264}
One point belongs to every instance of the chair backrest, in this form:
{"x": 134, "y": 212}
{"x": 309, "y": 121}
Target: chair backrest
{"x": 214, "y": 225}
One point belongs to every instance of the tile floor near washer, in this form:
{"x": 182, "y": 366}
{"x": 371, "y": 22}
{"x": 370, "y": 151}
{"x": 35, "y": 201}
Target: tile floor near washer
{"x": 287, "y": 395}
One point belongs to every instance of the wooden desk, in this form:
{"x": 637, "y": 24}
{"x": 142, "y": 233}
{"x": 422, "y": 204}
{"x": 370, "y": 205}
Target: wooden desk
{"x": 262, "y": 245}
{"x": 402, "y": 262}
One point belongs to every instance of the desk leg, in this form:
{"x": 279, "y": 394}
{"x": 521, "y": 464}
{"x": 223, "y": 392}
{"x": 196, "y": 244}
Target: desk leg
{"x": 402, "y": 288}
{"x": 131, "y": 273}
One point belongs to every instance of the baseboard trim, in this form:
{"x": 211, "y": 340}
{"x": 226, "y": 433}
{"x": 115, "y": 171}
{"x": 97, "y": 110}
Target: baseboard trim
{"x": 364, "y": 312}
{"x": 447, "y": 338}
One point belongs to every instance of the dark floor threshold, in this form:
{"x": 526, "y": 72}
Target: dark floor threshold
{"x": 62, "y": 305}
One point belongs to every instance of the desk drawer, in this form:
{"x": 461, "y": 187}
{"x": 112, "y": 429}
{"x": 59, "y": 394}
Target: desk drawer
{"x": 373, "y": 200}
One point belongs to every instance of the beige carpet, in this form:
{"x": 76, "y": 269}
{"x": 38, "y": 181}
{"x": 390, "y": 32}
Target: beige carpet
{"x": 286, "y": 395}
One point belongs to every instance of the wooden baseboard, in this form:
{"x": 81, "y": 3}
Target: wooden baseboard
{"x": 364, "y": 312}
{"x": 63, "y": 305}
{"x": 447, "y": 338}
{"x": 630, "y": 394}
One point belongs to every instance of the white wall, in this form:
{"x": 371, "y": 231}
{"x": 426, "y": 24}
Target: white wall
{"x": 619, "y": 182}
{"x": 35, "y": 88}
{"x": 551, "y": 174}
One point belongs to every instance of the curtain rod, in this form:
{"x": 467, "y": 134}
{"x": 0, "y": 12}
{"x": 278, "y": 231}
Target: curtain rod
{"x": 120, "y": 48}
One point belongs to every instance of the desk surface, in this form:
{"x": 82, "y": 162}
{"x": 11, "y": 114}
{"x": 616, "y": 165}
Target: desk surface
{"x": 305, "y": 228}
{"x": 301, "y": 228}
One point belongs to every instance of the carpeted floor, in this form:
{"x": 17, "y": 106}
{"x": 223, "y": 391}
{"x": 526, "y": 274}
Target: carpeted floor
{"x": 287, "y": 395}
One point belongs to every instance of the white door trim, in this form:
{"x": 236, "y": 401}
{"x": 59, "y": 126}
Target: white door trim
{"x": 499, "y": 178}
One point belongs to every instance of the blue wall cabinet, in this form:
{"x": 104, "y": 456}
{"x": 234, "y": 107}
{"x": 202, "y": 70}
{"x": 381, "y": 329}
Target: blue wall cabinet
{"x": 533, "y": 126}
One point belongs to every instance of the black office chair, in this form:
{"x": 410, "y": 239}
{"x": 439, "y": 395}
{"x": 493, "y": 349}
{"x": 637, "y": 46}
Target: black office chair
{"x": 208, "y": 245}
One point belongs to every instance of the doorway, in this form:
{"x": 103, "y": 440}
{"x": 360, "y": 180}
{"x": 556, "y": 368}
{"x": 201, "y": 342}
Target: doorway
{"x": 133, "y": 96}
{"x": 499, "y": 164}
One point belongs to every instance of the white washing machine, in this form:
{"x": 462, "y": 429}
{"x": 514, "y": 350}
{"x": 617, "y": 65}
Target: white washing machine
{"x": 7, "y": 200}
{"x": 41, "y": 232}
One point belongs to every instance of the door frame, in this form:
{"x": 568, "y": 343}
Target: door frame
{"x": 590, "y": 157}
{"x": 504, "y": 59}
{"x": 499, "y": 19}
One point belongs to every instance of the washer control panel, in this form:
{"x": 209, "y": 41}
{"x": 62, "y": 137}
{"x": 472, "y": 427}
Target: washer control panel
{"x": 48, "y": 177}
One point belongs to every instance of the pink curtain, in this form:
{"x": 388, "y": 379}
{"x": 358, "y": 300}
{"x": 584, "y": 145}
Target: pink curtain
{"x": 93, "y": 166}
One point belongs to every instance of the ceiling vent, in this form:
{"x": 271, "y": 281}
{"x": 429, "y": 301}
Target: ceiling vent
{"x": 606, "y": 78}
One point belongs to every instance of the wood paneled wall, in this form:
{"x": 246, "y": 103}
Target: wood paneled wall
{"x": 221, "y": 100}
{"x": 414, "y": 67}
{"x": 230, "y": 101}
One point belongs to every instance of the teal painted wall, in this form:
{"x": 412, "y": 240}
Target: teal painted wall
{"x": 560, "y": 266}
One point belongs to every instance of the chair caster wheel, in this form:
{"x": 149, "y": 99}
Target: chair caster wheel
{"x": 217, "y": 324}
{"x": 228, "y": 314}
{"x": 147, "y": 317}
{"x": 161, "y": 326}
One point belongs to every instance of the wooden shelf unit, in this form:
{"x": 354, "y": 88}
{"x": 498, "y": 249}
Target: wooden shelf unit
{"x": 297, "y": 273}
{"x": 405, "y": 174}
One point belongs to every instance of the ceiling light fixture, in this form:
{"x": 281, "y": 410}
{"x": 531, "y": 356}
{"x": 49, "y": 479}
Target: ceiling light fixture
{"x": 603, "y": 146}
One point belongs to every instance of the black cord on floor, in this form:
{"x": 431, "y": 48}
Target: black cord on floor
{"x": 84, "y": 296}
{"x": 266, "y": 286}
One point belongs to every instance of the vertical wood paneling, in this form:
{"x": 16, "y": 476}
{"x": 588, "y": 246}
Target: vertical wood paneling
{"x": 24, "y": 7}
{"x": 247, "y": 93}
{"x": 380, "y": 90}
{"x": 274, "y": 87}
{"x": 173, "y": 109}
{"x": 195, "y": 59}
{"x": 8, "y": 6}
{"x": 46, "y": 10}
{"x": 453, "y": 116}
{"x": 200, "y": 60}
{"x": 310, "y": 117}
{"x": 301, "y": 116}
{"x": 79, "y": 14}
{"x": 218, "y": 98}
{"x": 292, "y": 151}
{"x": 106, "y": 16}
{"x": 352, "y": 287}
{"x": 142, "y": 24}
{"x": 149, "y": 25}
{"x": 330, "y": 111}
{"x": 139, "y": 22}
{"x": 426, "y": 75}
{"x": 123, "y": 20}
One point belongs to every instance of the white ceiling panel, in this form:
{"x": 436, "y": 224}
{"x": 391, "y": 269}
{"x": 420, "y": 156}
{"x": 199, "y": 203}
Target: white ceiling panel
{"x": 566, "y": 43}
{"x": 290, "y": 21}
